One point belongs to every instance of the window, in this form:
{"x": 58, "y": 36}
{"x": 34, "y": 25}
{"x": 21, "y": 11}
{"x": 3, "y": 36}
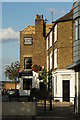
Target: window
{"x": 27, "y": 41}
{"x": 50, "y": 60}
{"x": 47, "y": 44}
{"x": 50, "y": 39}
{"x": 77, "y": 29}
{"x": 27, "y": 63}
{"x": 55, "y": 33}
{"x": 47, "y": 63}
{"x": 55, "y": 58}
{"x": 27, "y": 84}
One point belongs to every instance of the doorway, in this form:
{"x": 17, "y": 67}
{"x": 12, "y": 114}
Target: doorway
{"x": 66, "y": 90}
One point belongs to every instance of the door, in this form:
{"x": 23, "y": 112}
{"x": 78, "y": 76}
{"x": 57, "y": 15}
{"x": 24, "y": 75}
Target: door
{"x": 66, "y": 90}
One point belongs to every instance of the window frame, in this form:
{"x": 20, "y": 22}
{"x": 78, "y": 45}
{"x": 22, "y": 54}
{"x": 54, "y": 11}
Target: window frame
{"x": 28, "y": 38}
{"x": 55, "y": 33}
{"x": 50, "y": 39}
{"x": 47, "y": 43}
{"x": 27, "y": 63}
{"x": 55, "y": 58}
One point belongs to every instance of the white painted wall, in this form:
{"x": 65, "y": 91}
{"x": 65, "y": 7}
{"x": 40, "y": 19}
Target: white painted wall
{"x": 63, "y": 75}
{"x": 35, "y": 84}
{"x": 35, "y": 80}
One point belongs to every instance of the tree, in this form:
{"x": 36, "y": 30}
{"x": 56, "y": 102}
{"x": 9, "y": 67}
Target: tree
{"x": 43, "y": 78}
{"x": 12, "y": 71}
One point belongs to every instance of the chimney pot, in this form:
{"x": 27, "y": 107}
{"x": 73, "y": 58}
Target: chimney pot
{"x": 39, "y": 16}
{"x": 36, "y": 16}
{"x": 72, "y": 7}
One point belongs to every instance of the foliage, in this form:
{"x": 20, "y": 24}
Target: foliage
{"x": 12, "y": 71}
{"x": 36, "y": 68}
{"x": 38, "y": 94}
{"x": 43, "y": 75}
{"x": 50, "y": 80}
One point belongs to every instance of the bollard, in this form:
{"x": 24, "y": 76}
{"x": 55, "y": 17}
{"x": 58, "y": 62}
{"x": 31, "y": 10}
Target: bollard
{"x": 45, "y": 103}
{"x": 50, "y": 103}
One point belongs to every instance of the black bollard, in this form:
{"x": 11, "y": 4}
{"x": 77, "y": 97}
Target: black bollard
{"x": 45, "y": 103}
{"x": 50, "y": 103}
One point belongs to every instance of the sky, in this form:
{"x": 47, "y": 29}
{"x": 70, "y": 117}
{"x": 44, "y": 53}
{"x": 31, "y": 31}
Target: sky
{"x": 18, "y": 15}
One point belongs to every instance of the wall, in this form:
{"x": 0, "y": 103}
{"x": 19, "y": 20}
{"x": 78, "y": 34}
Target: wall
{"x": 65, "y": 44}
{"x": 19, "y": 108}
{"x": 38, "y": 48}
{"x": 63, "y": 75}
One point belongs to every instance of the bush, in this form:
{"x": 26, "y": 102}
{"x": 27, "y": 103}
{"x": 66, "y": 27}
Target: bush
{"x": 38, "y": 94}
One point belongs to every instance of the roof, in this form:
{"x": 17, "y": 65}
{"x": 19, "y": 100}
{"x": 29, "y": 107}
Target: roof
{"x": 68, "y": 16}
{"x": 29, "y": 30}
{"x": 74, "y": 65}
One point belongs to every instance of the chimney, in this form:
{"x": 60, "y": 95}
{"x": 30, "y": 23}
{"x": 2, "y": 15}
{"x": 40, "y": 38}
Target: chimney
{"x": 39, "y": 25}
{"x": 72, "y": 8}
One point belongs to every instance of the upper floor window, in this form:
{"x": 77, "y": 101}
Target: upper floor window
{"x": 27, "y": 40}
{"x": 47, "y": 45}
{"x": 76, "y": 29}
{"x": 50, "y": 39}
{"x": 27, "y": 63}
{"x": 55, "y": 58}
{"x": 50, "y": 60}
{"x": 55, "y": 33}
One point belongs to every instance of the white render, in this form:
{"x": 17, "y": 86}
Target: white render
{"x": 35, "y": 84}
{"x": 63, "y": 74}
{"x": 35, "y": 80}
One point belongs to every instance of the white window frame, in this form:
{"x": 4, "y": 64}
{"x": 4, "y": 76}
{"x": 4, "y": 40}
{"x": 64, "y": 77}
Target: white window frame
{"x": 55, "y": 33}
{"x": 47, "y": 63}
{"x": 50, "y": 38}
{"x": 55, "y": 58}
{"x": 50, "y": 60}
{"x": 47, "y": 45}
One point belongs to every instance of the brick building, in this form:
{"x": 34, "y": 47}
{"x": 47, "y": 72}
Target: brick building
{"x": 32, "y": 51}
{"x": 59, "y": 53}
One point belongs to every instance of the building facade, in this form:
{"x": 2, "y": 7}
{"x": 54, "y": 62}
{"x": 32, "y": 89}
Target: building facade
{"x": 32, "y": 52}
{"x": 59, "y": 53}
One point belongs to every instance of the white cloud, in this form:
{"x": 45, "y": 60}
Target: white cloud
{"x": 9, "y": 34}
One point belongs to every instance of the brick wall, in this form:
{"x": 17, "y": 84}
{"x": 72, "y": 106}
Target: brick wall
{"x": 38, "y": 48}
{"x": 64, "y": 44}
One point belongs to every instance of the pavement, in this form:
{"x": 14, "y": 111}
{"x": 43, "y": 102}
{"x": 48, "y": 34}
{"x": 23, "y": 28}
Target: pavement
{"x": 57, "y": 113}
{"x": 60, "y": 111}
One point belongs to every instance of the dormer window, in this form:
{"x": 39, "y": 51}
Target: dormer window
{"x": 27, "y": 40}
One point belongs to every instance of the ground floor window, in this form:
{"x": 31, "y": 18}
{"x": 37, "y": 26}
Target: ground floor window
{"x": 27, "y": 84}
